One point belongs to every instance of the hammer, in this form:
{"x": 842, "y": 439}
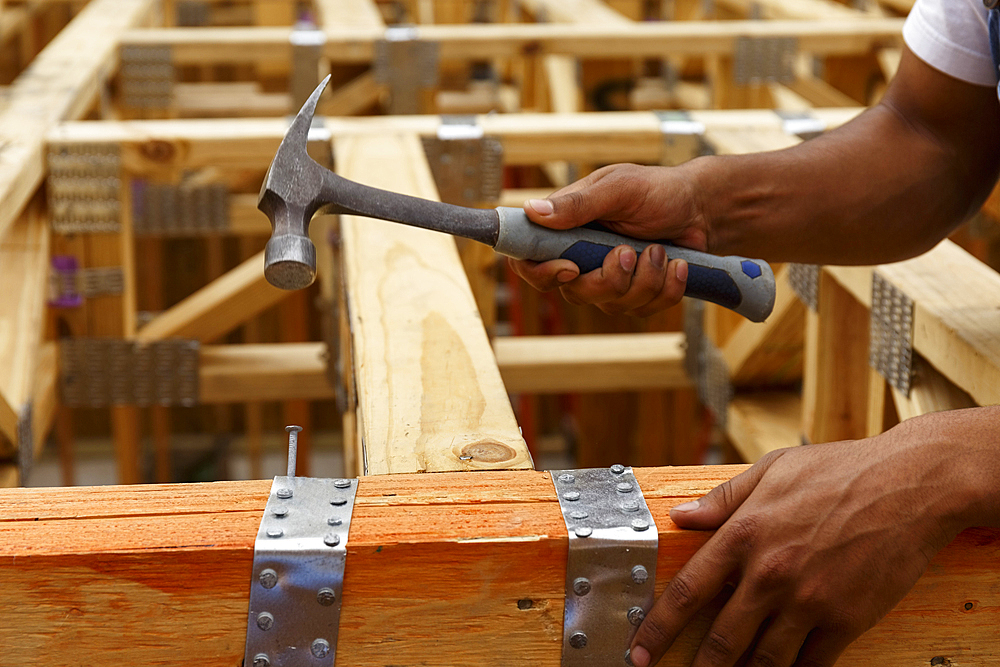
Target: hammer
{"x": 296, "y": 188}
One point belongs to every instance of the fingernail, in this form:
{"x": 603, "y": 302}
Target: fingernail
{"x": 639, "y": 656}
{"x": 658, "y": 255}
{"x": 627, "y": 259}
{"x": 566, "y": 275}
{"x": 681, "y": 270}
{"x": 689, "y": 506}
{"x": 541, "y": 206}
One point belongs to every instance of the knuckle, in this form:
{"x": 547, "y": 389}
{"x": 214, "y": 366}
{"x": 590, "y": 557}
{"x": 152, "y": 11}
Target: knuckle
{"x": 654, "y": 634}
{"x": 762, "y": 657}
{"x": 682, "y": 594}
{"x": 774, "y": 570}
{"x": 741, "y": 532}
{"x": 719, "y": 647}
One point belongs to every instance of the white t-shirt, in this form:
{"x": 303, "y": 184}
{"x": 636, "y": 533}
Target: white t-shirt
{"x": 952, "y": 36}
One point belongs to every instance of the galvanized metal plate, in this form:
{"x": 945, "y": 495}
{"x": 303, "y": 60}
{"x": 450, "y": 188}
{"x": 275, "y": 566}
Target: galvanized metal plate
{"x": 804, "y": 279}
{"x": 611, "y": 569}
{"x": 891, "y": 335}
{"x": 802, "y": 124}
{"x": 298, "y": 573}
{"x": 467, "y": 165}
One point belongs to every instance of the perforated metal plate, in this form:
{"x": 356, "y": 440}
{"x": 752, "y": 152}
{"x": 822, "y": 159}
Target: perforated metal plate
{"x": 298, "y": 573}
{"x": 805, "y": 283}
{"x": 611, "y": 569}
{"x": 891, "y": 335}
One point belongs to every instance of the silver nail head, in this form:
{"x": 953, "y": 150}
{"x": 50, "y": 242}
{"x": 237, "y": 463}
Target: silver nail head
{"x": 268, "y": 578}
{"x": 339, "y": 502}
{"x": 331, "y": 540}
{"x": 326, "y": 596}
{"x": 284, "y": 494}
{"x": 584, "y": 531}
{"x": 342, "y": 483}
{"x": 578, "y": 640}
{"x": 280, "y": 512}
{"x": 618, "y": 468}
{"x": 578, "y": 515}
{"x": 334, "y": 521}
{"x": 639, "y": 525}
{"x": 581, "y": 586}
{"x": 261, "y": 660}
{"x": 320, "y": 648}
{"x": 265, "y": 621}
{"x": 293, "y": 428}
{"x": 624, "y": 487}
{"x": 628, "y": 658}
{"x": 275, "y": 532}
{"x": 566, "y": 478}
{"x": 631, "y": 505}
{"x": 639, "y": 574}
{"x": 571, "y": 496}
{"x": 635, "y": 616}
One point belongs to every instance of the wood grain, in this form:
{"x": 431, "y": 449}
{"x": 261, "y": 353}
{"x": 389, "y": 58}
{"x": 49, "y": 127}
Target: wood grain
{"x": 429, "y": 394}
{"x": 437, "y": 565}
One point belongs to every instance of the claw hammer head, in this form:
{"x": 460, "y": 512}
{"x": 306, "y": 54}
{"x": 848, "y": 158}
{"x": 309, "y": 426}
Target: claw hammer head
{"x": 289, "y": 197}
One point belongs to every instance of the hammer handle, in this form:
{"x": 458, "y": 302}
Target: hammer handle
{"x": 745, "y": 286}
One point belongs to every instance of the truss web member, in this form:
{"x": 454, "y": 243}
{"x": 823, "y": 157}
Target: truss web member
{"x": 819, "y": 542}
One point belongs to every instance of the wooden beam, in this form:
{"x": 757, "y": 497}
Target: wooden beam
{"x": 219, "y": 307}
{"x": 612, "y": 362}
{"x": 758, "y": 423}
{"x": 61, "y": 84}
{"x": 335, "y": 14}
{"x": 161, "y": 574}
{"x": 849, "y": 36}
{"x": 263, "y": 372}
{"x": 594, "y": 12}
{"x": 930, "y": 392}
{"x": 793, "y": 9}
{"x": 429, "y": 394}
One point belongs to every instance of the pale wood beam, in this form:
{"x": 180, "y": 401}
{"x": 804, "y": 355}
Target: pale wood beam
{"x": 758, "y": 423}
{"x": 578, "y": 363}
{"x": 333, "y": 14}
{"x": 263, "y": 372}
{"x": 429, "y": 393}
{"x": 61, "y": 84}
{"x": 219, "y": 307}
{"x": 161, "y": 574}
{"x": 930, "y": 392}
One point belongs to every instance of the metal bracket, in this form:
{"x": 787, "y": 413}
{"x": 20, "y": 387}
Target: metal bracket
{"x": 69, "y": 285}
{"x": 802, "y": 124}
{"x": 98, "y": 372}
{"x": 705, "y": 364}
{"x": 147, "y": 76}
{"x": 162, "y": 209}
{"x": 804, "y": 279}
{"x": 25, "y": 443}
{"x": 764, "y": 59}
{"x": 84, "y": 188}
{"x": 467, "y": 165}
{"x": 407, "y": 65}
{"x": 297, "y": 581}
{"x": 611, "y": 568}
{"x": 683, "y": 138}
{"x": 190, "y": 13}
{"x": 891, "y": 334}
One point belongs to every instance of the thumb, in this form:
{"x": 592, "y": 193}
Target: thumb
{"x": 714, "y": 508}
{"x": 604, "y": 194}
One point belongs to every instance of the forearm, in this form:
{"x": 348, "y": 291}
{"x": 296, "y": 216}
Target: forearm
{"x": 887, "y": 186}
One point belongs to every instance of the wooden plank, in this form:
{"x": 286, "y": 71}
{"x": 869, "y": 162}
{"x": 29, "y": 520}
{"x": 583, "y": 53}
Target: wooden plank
{"x": 849, "y": 36}
{"x": 333, "y": 14}
{"x": 428, "y": 388}
{"x": 45, "y": 401}
{"x": 594, "y": 12}
{"x": 161, "y": 574}
{"x": 61, "y": 84}
{"x": 263, "y": 372}
{"x": 24, "y": 273}
{"x": 219, "y": 307}
{"x": 930, "y": 392}
{"x": 598, "y": 362}
{"x": 792, "y": 9}
{"x": 759, "y": 423}
{"x": 956, "y": 319}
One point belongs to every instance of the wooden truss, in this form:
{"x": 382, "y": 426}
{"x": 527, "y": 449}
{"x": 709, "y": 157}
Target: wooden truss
{"x": 467, "y": 565}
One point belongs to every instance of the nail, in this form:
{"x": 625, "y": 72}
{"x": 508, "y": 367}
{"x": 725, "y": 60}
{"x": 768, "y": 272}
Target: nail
{"x": 566, "y": 275}
{"x": 689, "y": 506}
{"x": 541, "y": 206}
{"x": 639, "y": 656}
{"x": 682, "y": 270}
{"x": 627, "y": 259}
{"x": 659, "y": 256}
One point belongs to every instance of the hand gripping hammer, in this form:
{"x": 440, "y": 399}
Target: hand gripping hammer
{"x": 296, "y": 188}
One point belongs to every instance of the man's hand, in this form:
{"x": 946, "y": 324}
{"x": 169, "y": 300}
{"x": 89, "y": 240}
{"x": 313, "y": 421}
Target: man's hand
{"x": 822, "y": 541}
{"x": 642, "y": 202}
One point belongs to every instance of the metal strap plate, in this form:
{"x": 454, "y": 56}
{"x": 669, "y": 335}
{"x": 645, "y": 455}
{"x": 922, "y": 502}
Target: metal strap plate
{"x": 891, "y": 338}
{"x": 298, "y": 572}
{"x": 611, "y": 569}
{"x": 84, "y": 188}
{"x": 467, "y": 165}
{"x": 166, "y": 209}
{"x": 764, "y": 59}
{"x": 802, "y": 124}
{"x": 407, "y": 65}
{"x": 147, "y": 76}
{"x": 805, "y": 283}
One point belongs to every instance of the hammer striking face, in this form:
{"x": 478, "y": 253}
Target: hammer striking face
{"x": 296, "y": 188}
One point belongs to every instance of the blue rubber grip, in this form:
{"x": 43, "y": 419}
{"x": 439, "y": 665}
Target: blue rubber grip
{"x": 705, "y": 283}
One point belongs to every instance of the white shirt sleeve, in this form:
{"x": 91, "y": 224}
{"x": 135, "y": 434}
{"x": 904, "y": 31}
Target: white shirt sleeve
{"x": 952, "y": 36}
